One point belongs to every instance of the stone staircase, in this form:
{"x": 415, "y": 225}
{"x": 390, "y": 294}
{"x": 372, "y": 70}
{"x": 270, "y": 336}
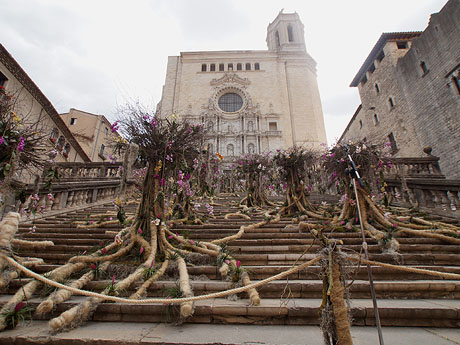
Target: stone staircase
{"x": 404, "y": 299}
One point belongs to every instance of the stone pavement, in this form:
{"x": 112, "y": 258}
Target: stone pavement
{"x": 110, "y": 333}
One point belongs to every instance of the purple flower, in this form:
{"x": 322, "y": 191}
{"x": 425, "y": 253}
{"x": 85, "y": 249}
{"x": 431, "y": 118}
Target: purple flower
{"x": 114, "y": 127}
{"x": 21, "y": 144}
{"x": 18, "y": 307}
{"x": 2, "y": 140}
{"x": 162, "y": 182}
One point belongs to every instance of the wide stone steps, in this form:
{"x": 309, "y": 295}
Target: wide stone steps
{"x": 294, "y": 311}
{"x": 405, "y": 299}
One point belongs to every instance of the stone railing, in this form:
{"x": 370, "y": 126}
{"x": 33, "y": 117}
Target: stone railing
{"x": 420, "y": 182}
{"x": 78, "y": 184}
{"x": 420, "y": 167}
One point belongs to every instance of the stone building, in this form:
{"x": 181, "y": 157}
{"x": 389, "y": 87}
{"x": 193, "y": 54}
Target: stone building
{"x": 410, "y": 92}
{"x": 250, "y": 101}
{"x": 37, "y": 110}
{"x": 93, "y": 132}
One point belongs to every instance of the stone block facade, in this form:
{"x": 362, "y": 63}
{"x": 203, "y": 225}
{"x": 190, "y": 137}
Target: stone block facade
{"x": 410, "y": 92}
{"x": 249, "y": 101}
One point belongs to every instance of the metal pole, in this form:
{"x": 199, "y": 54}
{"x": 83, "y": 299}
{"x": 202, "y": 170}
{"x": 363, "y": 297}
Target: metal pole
{"x": 369, "y": 269}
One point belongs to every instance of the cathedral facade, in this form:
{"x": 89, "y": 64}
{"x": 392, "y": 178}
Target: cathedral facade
{"x": 250, "y": 101}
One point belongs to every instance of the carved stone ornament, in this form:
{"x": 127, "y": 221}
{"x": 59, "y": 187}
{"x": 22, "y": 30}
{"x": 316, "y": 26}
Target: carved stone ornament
{"x": 230, "y": 78}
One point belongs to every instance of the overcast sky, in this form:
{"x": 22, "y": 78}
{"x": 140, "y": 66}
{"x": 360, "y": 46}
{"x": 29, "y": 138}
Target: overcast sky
{"x": 95, "y": 54}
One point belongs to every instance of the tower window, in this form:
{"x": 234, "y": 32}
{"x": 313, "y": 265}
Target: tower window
{"x": 277, "y": 39}
{"x": 456, "y": 83}
{"x": 394, "y": 146}
{"x": 3, "y": 79}
{"x": 376, "y": 119}
{"x": 248, "y": 66}
{"x": 272, "y": 126}
{"x": 392, "y": 103}
{"x": 101, "y": 151}
{"x": 239, "y": 67}
{"x": 256, "y": 66}
{"x": 221, "y": 67}
{"x": 377, "y": 88}
{"x": 401, "y": 45}
{"x": 230, "y": 67}
{"x": 290, "y": 33}
{"x": 360, "y": 124}
{"x": 212, "y": 68}
{"x": 73, "y": 121}
{"x": 423, "y": 67}
{"x": 203, "y": 67}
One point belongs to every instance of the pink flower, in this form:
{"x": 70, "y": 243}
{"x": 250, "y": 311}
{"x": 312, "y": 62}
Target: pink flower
{"x": 141, "y": 250}
{"x": 93, "y": 267}
{"x": 18, "y": 307}
{"x": 139, "y": 231}
{"x": 170, "y": 237}
{"x": 192, "y": 242}
{"x": 21, "y": 144}
{"x": 83, "y": 253}
{"x": 104, "y": 251}
{"x": 238, "y": 263}
{"x": 227, "y": 262}
{"x": 91, "y": 221}
{"x": 151, "y": 264}
{"x": 2, "y": 140}
{"x": 113, "y": 279}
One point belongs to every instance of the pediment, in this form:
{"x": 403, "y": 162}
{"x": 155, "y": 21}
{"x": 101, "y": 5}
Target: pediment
{"x": 230, "y": 78}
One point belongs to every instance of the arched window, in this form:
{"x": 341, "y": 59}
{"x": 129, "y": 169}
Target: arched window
{"x": 239, "y": 67}
{"x": 277, "y": 38}
{"x": 60, "y": 142}
{"x": 248, "y": 66}
{"x": 54, "y": 135}
{"x": 212, "y": 68}
{"x": 230, "y": 150}
{"x": 290, "y": 33}
{"x": 66, "y": 150}
{"x": 251, "y": 148}
{"x": 256, "y": 66}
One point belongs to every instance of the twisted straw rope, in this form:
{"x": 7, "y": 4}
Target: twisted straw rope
{"x": 407, "y": 269}
{"x": 45, "y": 280}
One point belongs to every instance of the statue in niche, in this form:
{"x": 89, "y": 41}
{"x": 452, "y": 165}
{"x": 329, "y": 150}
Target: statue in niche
{"x": 210, "y": 126}
{"x": 251, "y": 126}
{"x": 230, "y": 150}
{"x": 229, "y": 129}
{"x": 251, "y": 148}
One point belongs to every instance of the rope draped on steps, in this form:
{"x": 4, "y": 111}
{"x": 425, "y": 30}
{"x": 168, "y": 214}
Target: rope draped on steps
{"x": 47, "y": 281}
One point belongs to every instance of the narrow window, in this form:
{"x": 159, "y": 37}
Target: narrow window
{"x": 101, "y": 151}
{"x": 272, "y": 126}
{"x": 60, "y": 142}
{"x": 256, "y": 66}
{"x": 277, "y": 38}
{"x": 423, "y": 67}
{"x": 456, "y": 83}
{"x": 239, "y": 67}
{"x": 376, "y": 119}
{"x": 392, "y": 103}
{"x": 54, "y": 135}
{"x": 230, "y": 67}
{"x": 221, "y": 67}
{"x": 360, "y": 124}
{"x": 73, "y": 121}
{"x": 290, "y": 34}
{"x": 66, "y": 150}
{"x": 212, "y": 67}
{"x": 377, "y": 88}
{"x": 248, "y": 66}
{"x": 401, "y": 45}
{"x": 106, "y": 131}
{"x": 3, "y": 79}
{"x": 391, "y": 139}
{"x": 203, "y": 67}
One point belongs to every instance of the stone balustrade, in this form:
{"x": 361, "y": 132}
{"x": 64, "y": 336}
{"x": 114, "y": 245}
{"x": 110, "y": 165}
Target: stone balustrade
{"x": 419, "y": 167}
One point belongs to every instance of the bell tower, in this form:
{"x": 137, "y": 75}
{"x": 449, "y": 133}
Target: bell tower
{"x": 286, "y": 33}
